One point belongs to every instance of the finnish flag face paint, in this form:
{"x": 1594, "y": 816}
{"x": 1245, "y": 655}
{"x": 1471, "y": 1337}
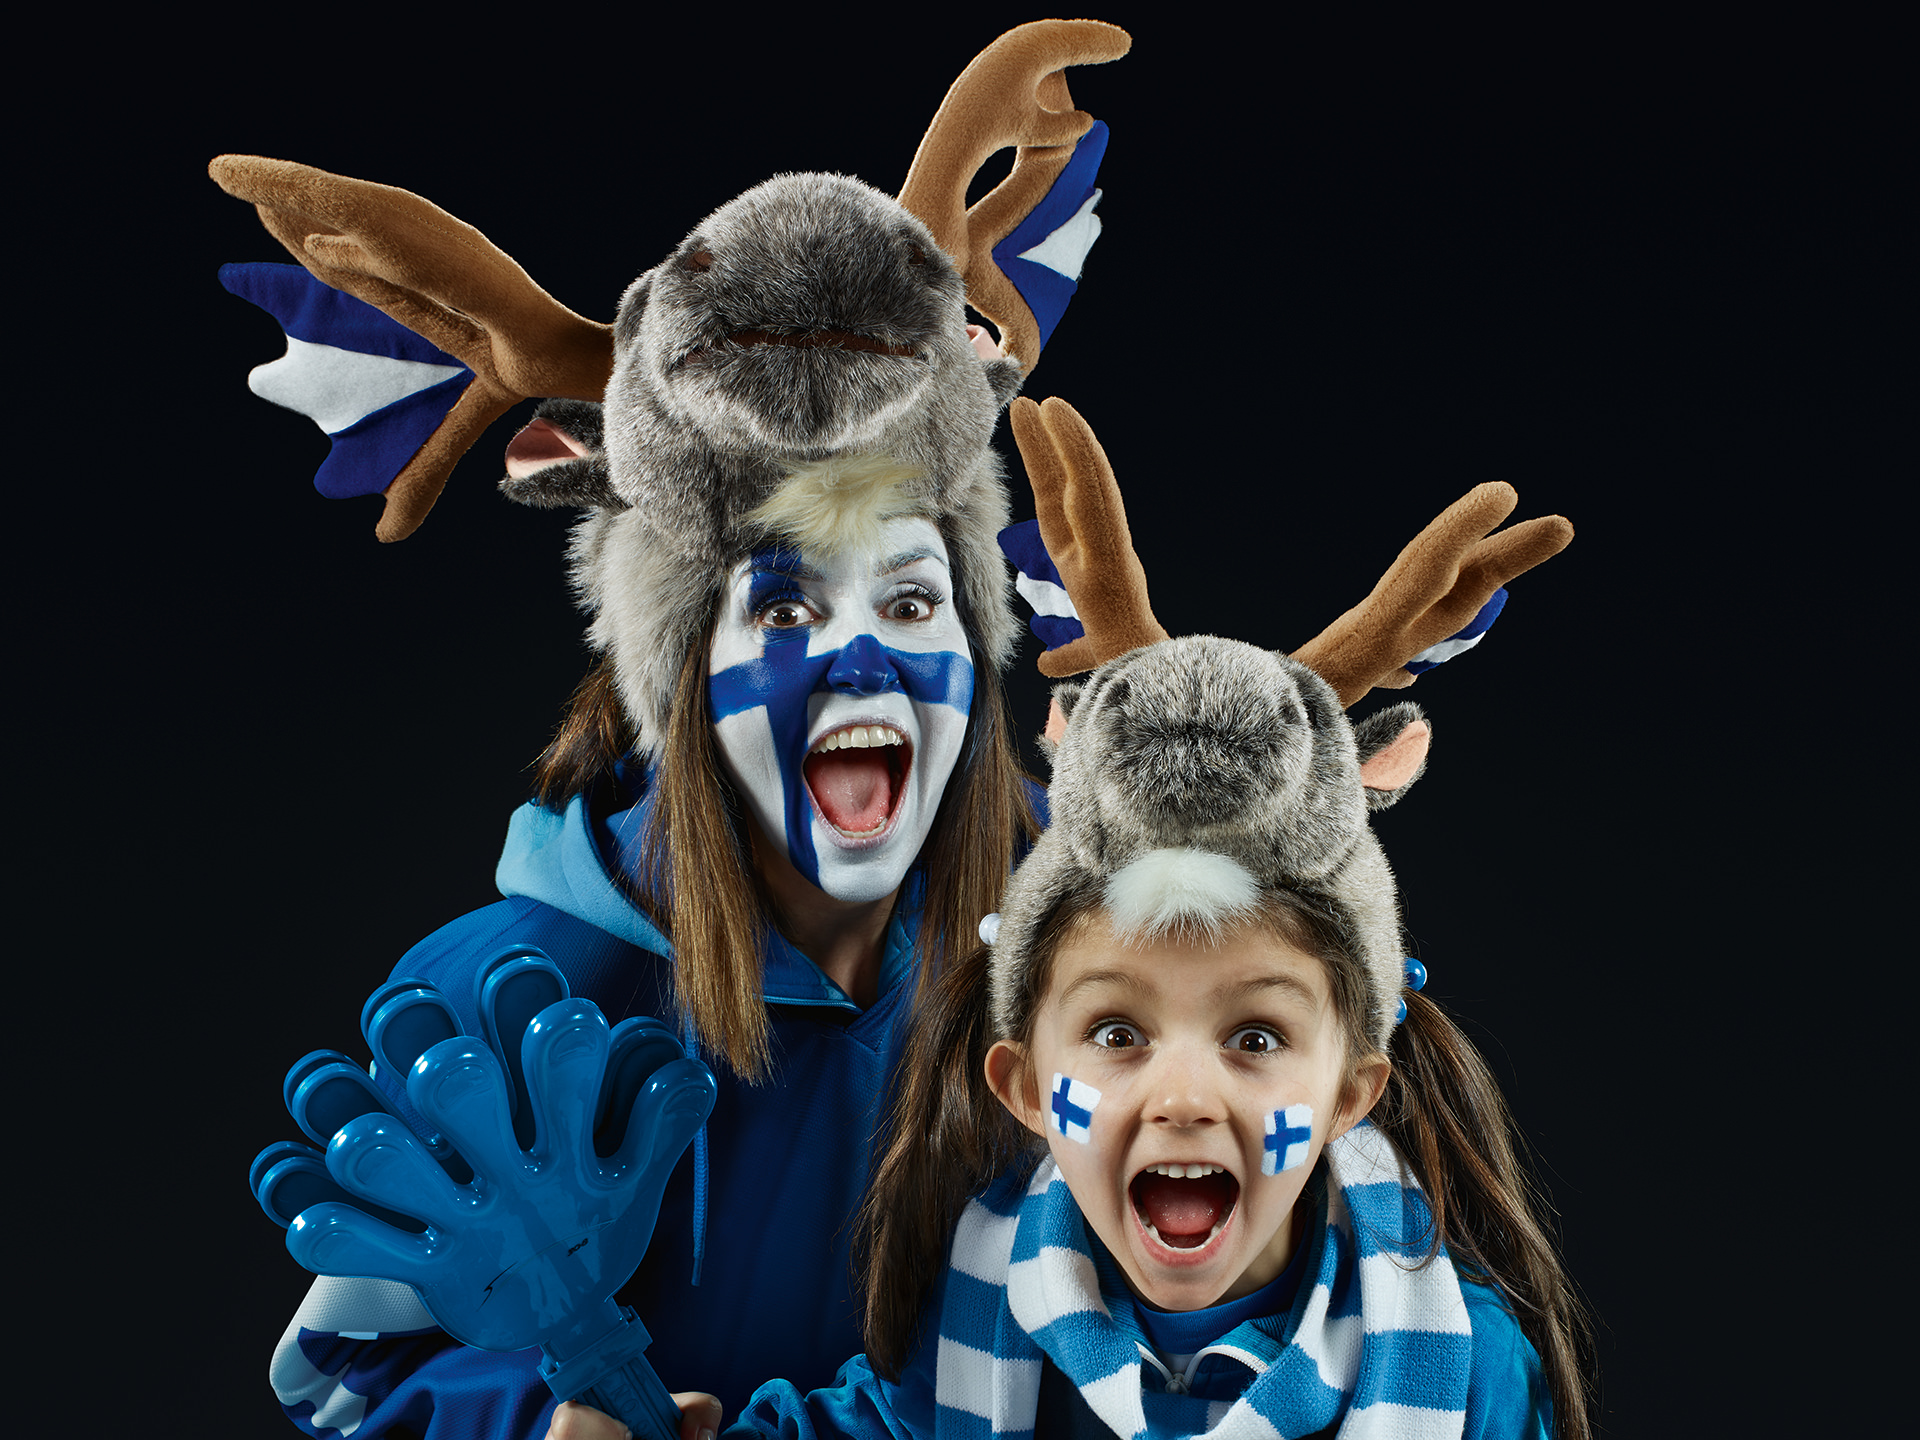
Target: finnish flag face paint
{"x": 839, "y": 688}
{"x": 1289, "y": 1136}
{"x": 1070, "y": 1108}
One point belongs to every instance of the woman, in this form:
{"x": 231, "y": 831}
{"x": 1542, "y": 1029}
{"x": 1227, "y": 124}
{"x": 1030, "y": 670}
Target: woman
{"x": 803, "y": 614}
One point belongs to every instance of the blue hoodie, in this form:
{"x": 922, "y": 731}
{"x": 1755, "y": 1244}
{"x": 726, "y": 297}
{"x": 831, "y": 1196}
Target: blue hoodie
{"x": 788, "y": 1165}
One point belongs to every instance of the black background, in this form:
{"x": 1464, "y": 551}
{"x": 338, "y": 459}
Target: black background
{"x": 1645, "y": 271}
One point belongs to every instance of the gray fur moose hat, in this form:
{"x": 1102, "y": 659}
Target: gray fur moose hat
{"x": 1196, "y": 775}
{"x": 798, "y": 369}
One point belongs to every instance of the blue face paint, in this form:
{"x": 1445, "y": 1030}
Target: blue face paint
{"x": 1289, "y": 1137}
{"x": 776, "y": 573}
{"x": 1070, "y": 1110}
{"x": 789, "y": 683}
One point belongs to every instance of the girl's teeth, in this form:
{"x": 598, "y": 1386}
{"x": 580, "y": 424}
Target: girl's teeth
{"x": 1212, "y": 1234}
{"x": 1185, "y": 1172}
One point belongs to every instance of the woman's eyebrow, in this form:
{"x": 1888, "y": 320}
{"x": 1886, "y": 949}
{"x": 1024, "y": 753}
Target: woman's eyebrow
{"x": 784, "y": 567}
{"x": 910, "y": 557}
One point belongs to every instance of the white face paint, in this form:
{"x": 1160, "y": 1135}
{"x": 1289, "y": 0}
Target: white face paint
{"x": 1070, "y": 1108}
{"x": 839, "y": 687}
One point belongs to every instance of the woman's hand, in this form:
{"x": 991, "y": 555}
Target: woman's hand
{"x": 700, "y": 1417}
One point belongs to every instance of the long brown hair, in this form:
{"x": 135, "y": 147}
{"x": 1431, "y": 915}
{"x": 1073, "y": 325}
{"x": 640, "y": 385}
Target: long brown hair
{"x": 983, "y": 818}
{"x": 1445, "y": 1114}
{"x": 1442, "y": 1109}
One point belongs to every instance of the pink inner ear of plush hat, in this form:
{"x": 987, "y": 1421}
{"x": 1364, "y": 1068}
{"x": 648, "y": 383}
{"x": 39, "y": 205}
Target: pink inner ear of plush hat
{"x": 1392, "y": 767}
{"x": 539, "y": 445}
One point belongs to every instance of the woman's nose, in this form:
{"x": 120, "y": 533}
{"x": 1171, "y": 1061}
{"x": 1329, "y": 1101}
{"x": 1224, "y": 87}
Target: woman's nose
{"x": 863, "y": 667}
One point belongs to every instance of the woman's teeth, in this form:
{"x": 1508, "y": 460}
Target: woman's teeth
{"x": 858, "y": 737}
{"x": 1186, "y": 1172}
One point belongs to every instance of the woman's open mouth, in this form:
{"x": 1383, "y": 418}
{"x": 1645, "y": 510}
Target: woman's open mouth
{"x": 856, "y": 776}
{"x": 1184, "y": 1206}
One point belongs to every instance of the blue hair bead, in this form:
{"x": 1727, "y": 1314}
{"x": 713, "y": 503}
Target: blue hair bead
{"x": 1400, "y": 1016}
{"x": 1416, "y": 974}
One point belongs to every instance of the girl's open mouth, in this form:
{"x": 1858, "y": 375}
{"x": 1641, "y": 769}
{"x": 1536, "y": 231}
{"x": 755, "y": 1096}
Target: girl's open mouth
{"x": 1184, "y": 1206}
{"x": 856, "y": 776}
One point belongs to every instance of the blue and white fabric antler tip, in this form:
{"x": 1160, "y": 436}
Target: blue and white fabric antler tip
{"x": 377, "y": 389}
{"x": 1462, "y": 640}
{"x": 1043, "y": 255}
{"x": 1054, "y": 619}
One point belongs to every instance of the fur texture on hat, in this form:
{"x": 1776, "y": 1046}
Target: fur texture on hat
{"x": 1193, "y": 776}
{"x": 806, "y": 346}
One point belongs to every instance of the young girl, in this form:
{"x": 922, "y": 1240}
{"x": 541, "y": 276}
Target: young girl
{"x": 1229, "y": 1174}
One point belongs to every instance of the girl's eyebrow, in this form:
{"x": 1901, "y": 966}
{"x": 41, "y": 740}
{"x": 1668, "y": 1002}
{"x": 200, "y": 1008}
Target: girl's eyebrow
{"x": 1246, "y": 989}
{"x": 1119, "y": 979}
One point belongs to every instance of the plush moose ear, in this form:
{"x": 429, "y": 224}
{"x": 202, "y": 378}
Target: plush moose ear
{"x": 633, "y": 308}
{"x": 1393, "y": 752}
{"x": 557, "y": 459}
{"x": 1006, "y": 377}
{"x": 1065, "y": 696}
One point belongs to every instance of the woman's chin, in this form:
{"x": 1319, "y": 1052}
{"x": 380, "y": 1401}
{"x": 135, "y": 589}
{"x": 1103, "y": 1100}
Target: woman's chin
{"x": 861, "y": 869}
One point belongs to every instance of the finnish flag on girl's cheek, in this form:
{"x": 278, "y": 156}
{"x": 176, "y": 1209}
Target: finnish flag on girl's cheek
{"x": 1071, "y": 1109}
{"x": 1289, "y": 1133}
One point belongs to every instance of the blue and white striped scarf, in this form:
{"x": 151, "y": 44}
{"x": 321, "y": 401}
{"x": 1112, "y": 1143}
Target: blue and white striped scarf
{"x": 1372, "y": 1342}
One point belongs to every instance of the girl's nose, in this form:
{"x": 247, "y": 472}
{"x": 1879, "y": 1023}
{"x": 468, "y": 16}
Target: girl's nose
{"x": 863, "y": 667}
{"x": 1185, "y": 1092}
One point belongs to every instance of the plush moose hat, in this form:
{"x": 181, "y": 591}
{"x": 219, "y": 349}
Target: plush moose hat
{"x": 807, "y": 337}
{"x": 1195, "y": 775}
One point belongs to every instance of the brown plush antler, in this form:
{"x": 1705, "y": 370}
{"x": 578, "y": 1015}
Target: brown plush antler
{"x": 1084, "y": 527}
{"x": 1014, "y": 93}
{"x": 1432, "y": 590}
{"x": 1435, "y": 587}
{"x": 442, "y": 279}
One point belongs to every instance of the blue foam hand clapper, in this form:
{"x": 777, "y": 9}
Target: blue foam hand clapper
{"x": 534, "y": 1197}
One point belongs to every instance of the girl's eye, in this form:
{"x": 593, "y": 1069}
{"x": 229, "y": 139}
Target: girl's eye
{"x": 910, "y": 607}
{"x": 1255, "y": 1040}
{"x": 1117, "y": 1035}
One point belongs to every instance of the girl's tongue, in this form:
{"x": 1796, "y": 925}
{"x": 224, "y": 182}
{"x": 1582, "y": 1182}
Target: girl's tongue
{"x": 1184, "y": 1212}
{"x": 853, "y": 788}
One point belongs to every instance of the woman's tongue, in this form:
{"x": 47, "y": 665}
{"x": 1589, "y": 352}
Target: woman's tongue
{"x": 1184, "y": 1212}
{"x": 853, "y": 788}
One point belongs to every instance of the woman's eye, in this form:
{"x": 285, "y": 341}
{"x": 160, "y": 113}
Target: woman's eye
{"x": 1254, "y": 1040}
{"x": 1116, "y": 1036}
{"x": 784, "y": 615}
{"x": 910, "y": 608}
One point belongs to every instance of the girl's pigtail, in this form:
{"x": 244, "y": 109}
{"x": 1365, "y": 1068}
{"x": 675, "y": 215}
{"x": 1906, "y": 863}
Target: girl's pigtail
{"x": 947, "y": 1137}
{"x": 1446, "y": 1115}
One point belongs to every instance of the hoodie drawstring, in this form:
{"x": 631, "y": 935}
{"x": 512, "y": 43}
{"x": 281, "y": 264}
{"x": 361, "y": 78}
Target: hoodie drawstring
{"x": 692, "y": 1047}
